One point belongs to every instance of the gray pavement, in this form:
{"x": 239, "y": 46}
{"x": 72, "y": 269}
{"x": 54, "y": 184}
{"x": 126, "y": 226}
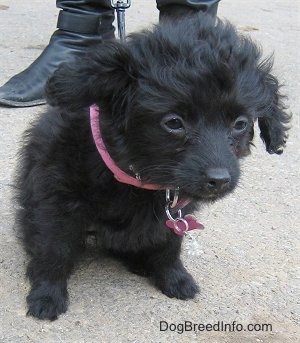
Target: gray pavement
{"x": 248, "y": 271}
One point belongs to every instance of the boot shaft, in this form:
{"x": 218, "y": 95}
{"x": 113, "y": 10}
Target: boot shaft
{"x": 84, "y": 6}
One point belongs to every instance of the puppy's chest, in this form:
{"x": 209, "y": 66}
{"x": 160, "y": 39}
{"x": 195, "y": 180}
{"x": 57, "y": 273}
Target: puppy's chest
{"x": 131, "y": 225}
{"x": 131, "y": 238}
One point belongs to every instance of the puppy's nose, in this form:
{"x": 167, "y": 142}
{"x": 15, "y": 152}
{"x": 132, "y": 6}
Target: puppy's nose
{"x": 217, "y": 179}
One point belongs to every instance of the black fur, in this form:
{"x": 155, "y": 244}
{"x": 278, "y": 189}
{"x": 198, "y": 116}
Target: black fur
{"x": 169, "y": 100}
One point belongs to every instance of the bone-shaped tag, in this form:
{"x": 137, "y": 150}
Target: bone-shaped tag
{"x": 181, "y": 225}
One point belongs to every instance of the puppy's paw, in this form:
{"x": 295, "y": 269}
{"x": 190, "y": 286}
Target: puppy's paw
{"x": 177, "y": 283}
{"x": 47, "y": 302}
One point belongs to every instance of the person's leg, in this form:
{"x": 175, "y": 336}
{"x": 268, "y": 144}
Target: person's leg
{"x": 81, "y": 23}
{"x": 175, "y": 9}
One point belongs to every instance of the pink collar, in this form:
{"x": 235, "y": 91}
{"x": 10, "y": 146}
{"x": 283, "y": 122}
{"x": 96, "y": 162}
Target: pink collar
{"x": 119, "y": 174}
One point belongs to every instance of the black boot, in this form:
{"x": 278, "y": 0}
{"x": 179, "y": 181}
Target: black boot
{"x": 81, "y": 24}
{"x": 175, "y": 9}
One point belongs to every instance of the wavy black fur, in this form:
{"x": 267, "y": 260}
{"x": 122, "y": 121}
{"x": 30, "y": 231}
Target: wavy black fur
{"x": 206, "y": 77}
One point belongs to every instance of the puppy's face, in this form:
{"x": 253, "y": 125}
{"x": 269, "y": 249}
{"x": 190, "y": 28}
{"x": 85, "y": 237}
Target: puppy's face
{"x": 178, "y": 103}
{"x": 192, "y": 141}
{"x": 189, "y": 150}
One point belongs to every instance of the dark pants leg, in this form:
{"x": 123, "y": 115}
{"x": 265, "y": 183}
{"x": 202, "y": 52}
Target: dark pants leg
{"x": 173, "y": 9}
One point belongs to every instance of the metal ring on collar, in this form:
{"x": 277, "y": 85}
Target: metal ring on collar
{"x": 169, "y": 215}
{"x": 173, "y": 202}
{"x": 177, "y": 228}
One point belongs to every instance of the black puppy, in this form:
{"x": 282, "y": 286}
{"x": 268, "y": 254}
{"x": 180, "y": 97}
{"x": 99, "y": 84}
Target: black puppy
{"x": 174, "y": 110}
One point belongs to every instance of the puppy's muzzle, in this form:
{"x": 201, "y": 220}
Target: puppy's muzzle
{"x": 217, "y": 180}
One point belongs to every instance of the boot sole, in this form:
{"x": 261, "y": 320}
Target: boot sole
{"x": 11, "y": 103}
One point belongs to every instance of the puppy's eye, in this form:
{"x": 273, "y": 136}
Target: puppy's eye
{"x": 173, "y": 123}
{"x": 240, "y": 125}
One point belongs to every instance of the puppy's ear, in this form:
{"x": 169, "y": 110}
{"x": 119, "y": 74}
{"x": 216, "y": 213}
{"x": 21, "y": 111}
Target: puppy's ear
{"x": 273, "y": 120}
{"x": 100, "y": 76}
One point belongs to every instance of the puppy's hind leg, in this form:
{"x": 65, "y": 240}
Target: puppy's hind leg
{"x": 53, "y": 245}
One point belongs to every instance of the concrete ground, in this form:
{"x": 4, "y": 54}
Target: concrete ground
{"x": 248, "y": 269}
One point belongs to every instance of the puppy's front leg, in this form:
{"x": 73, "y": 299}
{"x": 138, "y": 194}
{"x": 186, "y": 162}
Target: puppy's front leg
{"x": 169, "y": 274}
{"x": 48, "y": 273}
{"x": 53, "y": 249}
